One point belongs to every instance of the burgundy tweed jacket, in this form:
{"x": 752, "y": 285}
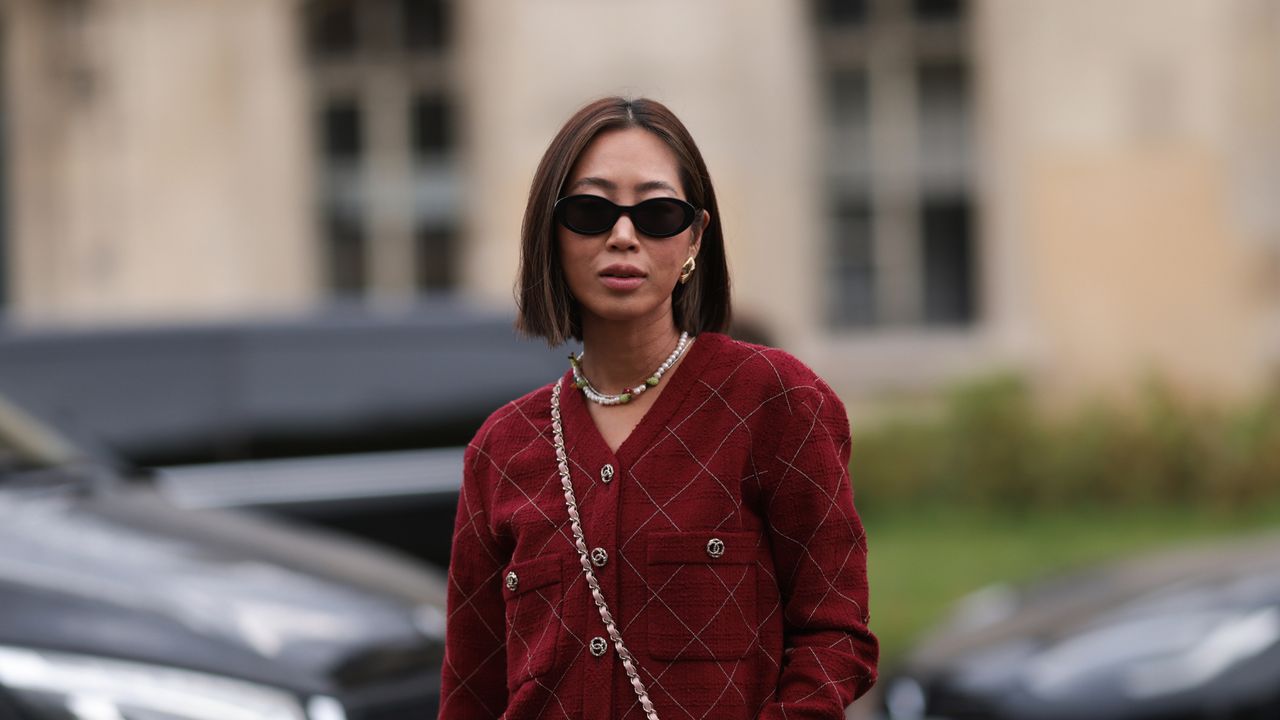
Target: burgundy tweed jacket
{"x": 733, "y": 560}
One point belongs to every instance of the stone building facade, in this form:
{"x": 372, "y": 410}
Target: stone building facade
{"x": 913, "y": 190}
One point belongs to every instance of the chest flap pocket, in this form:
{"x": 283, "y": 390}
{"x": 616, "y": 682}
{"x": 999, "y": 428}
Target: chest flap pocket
{"x": 703, "y": 595}
{"x": 534, "y": 594}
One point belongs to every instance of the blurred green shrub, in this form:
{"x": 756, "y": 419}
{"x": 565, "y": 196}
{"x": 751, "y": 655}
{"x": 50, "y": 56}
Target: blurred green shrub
{"x": 990, "y": 446}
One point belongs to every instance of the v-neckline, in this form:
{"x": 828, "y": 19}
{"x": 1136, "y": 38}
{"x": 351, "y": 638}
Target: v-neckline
{"x": 679, "y": 380}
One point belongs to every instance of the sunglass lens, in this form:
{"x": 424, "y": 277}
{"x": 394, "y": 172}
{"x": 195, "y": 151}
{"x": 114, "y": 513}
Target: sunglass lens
{"x": 588, "y": 215}
{"x": 661, "y": 217}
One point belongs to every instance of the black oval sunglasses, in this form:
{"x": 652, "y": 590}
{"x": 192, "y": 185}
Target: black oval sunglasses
{"x": 656, "y": 217}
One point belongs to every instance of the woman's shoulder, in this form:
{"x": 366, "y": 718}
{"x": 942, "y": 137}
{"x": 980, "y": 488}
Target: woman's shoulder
{"x": 748, "y": 364}
{"x": 769, "y": 384}
{"x": 518, "y": 420}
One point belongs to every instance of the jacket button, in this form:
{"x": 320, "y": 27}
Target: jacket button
{"x": 606, "y": 473}
{"x": 599, "y": 646}
{"x": 513, "y": 581}
{"x": 715, "y": 547}
{"x": 599, "y": 557}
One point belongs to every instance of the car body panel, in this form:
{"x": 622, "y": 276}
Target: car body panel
{"x": 126, "y": 575}
{"x": 1183, "y": 634}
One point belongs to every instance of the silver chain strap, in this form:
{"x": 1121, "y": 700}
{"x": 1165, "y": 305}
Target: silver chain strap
{"x": 562, "y": 462}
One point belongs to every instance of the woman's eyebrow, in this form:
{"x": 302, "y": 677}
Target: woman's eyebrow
{"x": 655, "y": 185}
{"x": 594, "y": 182}
{"x": 610, "y": 185}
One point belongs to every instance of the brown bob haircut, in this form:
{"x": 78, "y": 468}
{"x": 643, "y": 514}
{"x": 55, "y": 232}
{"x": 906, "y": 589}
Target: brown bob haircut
{"x": 546, "y": 307}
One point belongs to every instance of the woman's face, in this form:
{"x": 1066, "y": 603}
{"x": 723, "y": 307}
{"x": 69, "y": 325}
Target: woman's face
{"x": 626, "y": 166}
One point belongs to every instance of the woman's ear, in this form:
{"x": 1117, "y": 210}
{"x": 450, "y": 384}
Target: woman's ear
{"x": 699, "y": 224}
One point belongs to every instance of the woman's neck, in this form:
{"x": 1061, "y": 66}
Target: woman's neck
{"x": 619, "y": 356}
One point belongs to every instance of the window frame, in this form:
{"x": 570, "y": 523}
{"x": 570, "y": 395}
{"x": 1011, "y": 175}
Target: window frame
{"x": 387, "y": 77}
{"x": 891, "y": 48}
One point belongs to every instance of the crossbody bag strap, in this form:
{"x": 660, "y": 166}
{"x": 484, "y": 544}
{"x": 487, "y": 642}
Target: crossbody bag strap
{"x": 562, "y": 462}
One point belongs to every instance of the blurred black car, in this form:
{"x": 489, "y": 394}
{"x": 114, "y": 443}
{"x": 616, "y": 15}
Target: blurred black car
{"x": 1192, "y": 634}
{"x": 116, "y": 605}
{"x": 343, "y": 418}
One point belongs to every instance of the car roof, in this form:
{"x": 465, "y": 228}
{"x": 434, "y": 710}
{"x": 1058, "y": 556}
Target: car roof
{"x": 340, "y": 379}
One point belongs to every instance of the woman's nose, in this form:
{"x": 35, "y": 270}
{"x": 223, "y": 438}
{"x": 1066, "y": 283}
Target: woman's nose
{"x": 623, "y": 235}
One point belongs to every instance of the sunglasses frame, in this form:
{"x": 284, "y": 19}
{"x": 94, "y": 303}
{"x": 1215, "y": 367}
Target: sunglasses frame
{"x": 690, "y": 214}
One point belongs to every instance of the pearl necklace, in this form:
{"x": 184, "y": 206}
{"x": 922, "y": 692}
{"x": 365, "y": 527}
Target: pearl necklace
{"x": 580, "y": 380}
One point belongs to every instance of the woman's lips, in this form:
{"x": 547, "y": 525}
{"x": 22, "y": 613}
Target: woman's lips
{"x": 623, "y": 277}
{"x": 614, "y": 282}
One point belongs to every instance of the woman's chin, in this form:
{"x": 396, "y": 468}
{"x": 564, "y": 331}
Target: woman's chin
{"x": 623, "y": 311}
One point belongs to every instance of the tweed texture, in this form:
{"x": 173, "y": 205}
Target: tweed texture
{"x": 745, "y": 445}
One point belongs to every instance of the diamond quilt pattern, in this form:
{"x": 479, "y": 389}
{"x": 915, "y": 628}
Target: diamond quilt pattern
{"x": 746, "y": 447}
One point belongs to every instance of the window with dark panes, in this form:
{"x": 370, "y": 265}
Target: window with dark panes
{"x": 948, "y": 262}
{"x": 946, "y": 233}
{"x": 383, "y": 100}
{"x": 343, "y": 251}
{"x": 842, "y": 11}
{"x": 340, "y": 123}
{"x": 936, "y": 10}
{"x": 331, "y": 28}
{"x": 435, "y": 257}
{"x": 431, "y": 131}
{"x": 345, "y": 254}
{"x": 849, "y": 129}
{"x": 854, "y": 278}
{"x": 434, "y": 225}
{"x": 944, "y": 129}
{"x": 903, "y": 246}
{"x": 426, "y": 24}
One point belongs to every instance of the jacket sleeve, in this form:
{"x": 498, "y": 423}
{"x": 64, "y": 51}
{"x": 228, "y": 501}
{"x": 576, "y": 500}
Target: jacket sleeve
{"x": 820, "y": 554}
{"x": 474, "y": 677}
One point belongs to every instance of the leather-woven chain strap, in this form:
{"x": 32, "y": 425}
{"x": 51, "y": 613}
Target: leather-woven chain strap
{"x": 562, "y": 462}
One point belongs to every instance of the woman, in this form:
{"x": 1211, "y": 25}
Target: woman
{"x": 699, "y": 483}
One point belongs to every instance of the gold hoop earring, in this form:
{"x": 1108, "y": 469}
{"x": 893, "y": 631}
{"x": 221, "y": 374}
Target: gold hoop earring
{"x": 687, "y": 270}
